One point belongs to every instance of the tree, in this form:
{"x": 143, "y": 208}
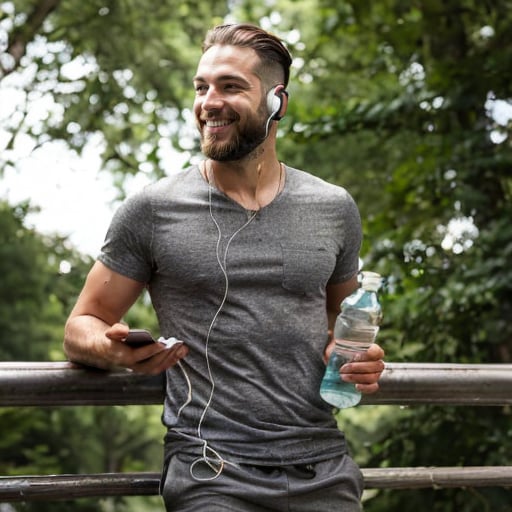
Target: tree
{"x": 109, "y": 68}
{"x": 399, "y": 101}
{"x": 36, "y": 289}
{"x": 419, "y": 80}
{"x": 42, "y": 278}
{"x": 394, "y": 100}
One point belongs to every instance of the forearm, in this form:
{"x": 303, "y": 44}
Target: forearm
{"x": 94, "y": 335}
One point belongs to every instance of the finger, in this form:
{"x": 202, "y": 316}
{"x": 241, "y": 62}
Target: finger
{"x": 161, "y": 361}
{"x": 362, "y": 367}
{"x": 143, "y": 352}
{"x": 173, "y": 355}
{"x": 361, "y": 378}
{"x": 367, "y": 389}
{"x": 375, "y": 352}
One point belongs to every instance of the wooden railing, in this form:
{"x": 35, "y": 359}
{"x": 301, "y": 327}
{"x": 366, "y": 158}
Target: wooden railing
{"x": 64, "y": 384}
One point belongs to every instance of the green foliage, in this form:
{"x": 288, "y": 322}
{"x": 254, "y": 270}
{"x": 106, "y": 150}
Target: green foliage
{"x": 34, "y": 292}
{"x": 113, "y": 68}
{"x": 392, "y": 100}
{"x": 36, "y": 296}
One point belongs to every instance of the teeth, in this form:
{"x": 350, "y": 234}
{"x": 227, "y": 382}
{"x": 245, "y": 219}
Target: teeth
{"x": 215, "y": 124}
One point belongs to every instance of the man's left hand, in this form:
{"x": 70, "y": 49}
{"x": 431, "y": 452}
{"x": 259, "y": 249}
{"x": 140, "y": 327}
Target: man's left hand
{"x": 365, "y": 369}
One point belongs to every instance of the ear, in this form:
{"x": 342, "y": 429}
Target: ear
{"x": 277, "y": 102}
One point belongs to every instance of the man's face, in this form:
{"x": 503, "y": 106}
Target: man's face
{"x": 230, "y": 107}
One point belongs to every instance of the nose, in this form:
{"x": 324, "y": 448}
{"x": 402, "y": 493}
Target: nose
{"x": 212, "y": 99}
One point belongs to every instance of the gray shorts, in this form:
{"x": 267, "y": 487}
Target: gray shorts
{"x": 328, "y": 486}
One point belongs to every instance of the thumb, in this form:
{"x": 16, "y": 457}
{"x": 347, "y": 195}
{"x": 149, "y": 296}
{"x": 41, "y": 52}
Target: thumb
{"x": 117, "y": 332}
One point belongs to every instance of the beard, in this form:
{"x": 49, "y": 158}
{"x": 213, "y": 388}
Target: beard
{"x": 241, "y": 144}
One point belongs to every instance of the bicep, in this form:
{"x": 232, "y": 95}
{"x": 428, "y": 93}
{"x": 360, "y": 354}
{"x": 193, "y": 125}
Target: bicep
{"x": 106, "y": 294}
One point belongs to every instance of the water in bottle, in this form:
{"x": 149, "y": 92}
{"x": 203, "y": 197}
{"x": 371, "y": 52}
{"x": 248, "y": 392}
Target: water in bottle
{"x": 355, "y": 330}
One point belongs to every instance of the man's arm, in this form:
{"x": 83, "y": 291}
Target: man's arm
{"x": 94, "y": 335}
{"x": 367, "y": 367}
{"x": 335, "y": 295}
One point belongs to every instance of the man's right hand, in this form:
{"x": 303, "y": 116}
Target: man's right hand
{"x": 149, "y": 359}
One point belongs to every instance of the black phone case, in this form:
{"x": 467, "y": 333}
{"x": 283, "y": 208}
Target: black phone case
{"x": 139, "y": 338}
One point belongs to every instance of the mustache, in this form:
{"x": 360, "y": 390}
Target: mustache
{"x": 208, "y": 116}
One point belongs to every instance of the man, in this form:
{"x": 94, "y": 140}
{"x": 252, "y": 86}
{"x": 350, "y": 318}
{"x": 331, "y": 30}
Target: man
{"x": 247, "y": 261}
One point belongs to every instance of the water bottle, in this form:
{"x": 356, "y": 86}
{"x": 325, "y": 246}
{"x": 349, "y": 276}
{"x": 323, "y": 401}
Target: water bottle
{"x": 355, "y": 330}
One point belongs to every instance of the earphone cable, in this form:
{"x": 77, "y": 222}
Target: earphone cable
{"x": 210, "y": 456}
{"x": 223, "y": 266}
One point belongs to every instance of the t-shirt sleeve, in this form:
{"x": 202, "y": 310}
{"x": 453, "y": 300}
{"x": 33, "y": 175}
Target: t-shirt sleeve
{"x": 350, "y": 239}
{"x": 127, "y": 245}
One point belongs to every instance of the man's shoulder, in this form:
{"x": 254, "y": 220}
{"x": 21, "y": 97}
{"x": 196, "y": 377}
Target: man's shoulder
{"x": 173, "y": 187}
{"x": 314, "y": 184}
{"x": 178, "y": 178}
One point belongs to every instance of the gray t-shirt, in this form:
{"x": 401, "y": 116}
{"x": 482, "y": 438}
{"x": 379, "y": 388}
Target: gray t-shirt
{"x": 255, "y": 365}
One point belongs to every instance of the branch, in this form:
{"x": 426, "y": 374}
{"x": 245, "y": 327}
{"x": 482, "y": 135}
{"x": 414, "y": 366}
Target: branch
{"x": 22, "y": 35}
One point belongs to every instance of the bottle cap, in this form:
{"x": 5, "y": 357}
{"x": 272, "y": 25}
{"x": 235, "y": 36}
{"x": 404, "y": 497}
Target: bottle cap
{"x": 371, "y": 281}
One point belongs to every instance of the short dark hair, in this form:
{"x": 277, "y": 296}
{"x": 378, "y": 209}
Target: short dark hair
{"x": 274, "y": 56}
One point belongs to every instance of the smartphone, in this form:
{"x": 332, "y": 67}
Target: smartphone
{"x": 139, "y": 338}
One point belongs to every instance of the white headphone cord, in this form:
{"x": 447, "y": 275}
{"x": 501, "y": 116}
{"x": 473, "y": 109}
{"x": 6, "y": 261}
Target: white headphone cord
{"x": 210, "y": 456}
{"x": 223, "y": 267}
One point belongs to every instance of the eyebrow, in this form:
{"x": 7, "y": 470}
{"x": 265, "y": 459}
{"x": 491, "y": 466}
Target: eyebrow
{"x": 223, "y": 78}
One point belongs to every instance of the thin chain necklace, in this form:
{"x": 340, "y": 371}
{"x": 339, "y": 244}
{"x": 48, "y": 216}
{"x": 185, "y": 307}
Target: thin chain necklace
{"x": 210, "y": 179}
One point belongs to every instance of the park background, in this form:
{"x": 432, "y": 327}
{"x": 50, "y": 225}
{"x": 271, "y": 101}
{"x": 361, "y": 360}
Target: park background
{"x": 407, "y": 104}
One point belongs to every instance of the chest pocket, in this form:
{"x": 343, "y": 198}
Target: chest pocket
{"x": 306, "y": 270}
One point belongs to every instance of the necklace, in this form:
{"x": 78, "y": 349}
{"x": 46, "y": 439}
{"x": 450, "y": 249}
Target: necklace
{"x": 210, "y": 179}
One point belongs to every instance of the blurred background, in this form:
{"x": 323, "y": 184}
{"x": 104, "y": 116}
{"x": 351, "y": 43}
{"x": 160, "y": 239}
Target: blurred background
{"x": 406, "y": 104}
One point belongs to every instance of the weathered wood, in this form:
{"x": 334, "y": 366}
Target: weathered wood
{"x": 68, "y": 487}
{"x": 48, "y": 384}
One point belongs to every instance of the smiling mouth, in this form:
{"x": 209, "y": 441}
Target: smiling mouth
{"x": 209, "y": 123}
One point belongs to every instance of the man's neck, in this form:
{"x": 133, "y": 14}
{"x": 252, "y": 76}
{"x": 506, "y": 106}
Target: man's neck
{"x": 252, "y": 182}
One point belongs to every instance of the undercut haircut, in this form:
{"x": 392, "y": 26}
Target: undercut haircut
{"x": 274, "y": 57}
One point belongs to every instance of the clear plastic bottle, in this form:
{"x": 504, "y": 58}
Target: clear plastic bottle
{"x": 355, "y": 330}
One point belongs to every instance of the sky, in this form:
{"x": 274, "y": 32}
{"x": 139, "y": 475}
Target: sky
{"x": 75, "y": 197}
